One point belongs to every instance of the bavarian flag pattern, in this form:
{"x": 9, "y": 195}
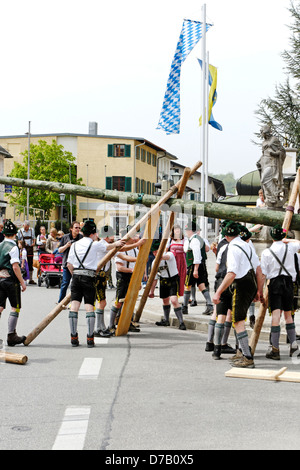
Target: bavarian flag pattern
{"x": 190, "y": 34}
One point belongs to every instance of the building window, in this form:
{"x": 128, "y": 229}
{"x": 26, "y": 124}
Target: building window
{"x": 118, "y": 150}
{"x": 153, "y": 160}
{"x": 119, "y": 183}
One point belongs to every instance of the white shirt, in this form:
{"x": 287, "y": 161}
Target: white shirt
{"x": 237, "y": 261}
{"x": 170, "y": 263}
{"x": 271, "y": 268}
{"x": 81, "y": 246}
{"x": 194, "y": 244}
{"x": 128, "y": 264}
{"x": 102, "y": 252}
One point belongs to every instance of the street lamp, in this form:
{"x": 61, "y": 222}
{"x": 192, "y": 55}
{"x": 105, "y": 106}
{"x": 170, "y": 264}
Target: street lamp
{"x": 175, "y": 175}
{"x": 62, "y": 198}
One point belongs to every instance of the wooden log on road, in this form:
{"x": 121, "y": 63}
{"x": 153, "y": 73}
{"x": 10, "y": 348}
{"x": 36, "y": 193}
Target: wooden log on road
{"x": 13, "y": 358}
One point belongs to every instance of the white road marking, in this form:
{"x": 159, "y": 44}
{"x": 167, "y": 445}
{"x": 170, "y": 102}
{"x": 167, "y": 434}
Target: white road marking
{"x": 90, "y": 368}
{"x": 71, "y": 435}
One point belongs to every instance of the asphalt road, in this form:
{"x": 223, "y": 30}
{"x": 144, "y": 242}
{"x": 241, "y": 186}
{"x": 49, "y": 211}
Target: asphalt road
{"x": 154, "y": 390}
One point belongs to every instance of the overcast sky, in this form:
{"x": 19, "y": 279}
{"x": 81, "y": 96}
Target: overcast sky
{"x": 65, "y": 63}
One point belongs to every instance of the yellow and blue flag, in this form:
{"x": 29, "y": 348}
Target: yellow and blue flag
{"x": 212, "y": 98}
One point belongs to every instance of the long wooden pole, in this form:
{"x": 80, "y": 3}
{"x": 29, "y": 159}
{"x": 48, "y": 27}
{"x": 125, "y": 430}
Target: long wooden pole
{"x": 286, "y": 225}
{"x": 186, "y": 175}
{"x": 208, "y": 209}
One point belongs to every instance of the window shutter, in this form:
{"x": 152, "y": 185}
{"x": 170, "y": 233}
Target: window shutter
{"x": 128, "y": 184}
{"x": 128, "y": 151}
{"x": 108, "y": 182}
{"x": 110, "y": 150}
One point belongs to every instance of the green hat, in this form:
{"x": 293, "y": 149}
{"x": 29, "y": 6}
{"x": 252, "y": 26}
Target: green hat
{"x": 232, "y": 229}
{"x": 245, "y": 234}
{"x": 192, "y": 225}
{"x": 155, "y": 245}
{"x": 89, "y": 228}
{"x": 277, "y": 233}
{"x": 9, "y": 228}
{"x": 107, "y": 231}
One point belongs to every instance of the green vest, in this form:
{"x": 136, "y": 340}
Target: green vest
{"x": 5, "y": 248}
{"x": 189, "y": 253}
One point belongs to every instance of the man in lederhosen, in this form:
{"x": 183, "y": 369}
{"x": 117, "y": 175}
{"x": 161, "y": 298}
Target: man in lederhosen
{"x": 194, "y": 247}
{"x": 11, "y": 282}
{"x": 241, "y": 277}
{"x": 27, "y": 234}
{"x": 82, "y": 262}
{"x": 168, "y": 286}
{"x": 278, "y": 265}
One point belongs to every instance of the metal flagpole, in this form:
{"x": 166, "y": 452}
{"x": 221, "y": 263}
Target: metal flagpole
{"x": 203, "y": 128}
{"x": 205, "y": 233}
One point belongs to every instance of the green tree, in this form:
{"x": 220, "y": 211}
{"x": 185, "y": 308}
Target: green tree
{"x": 48, "y": 162}
{"x": 282, "y": 112}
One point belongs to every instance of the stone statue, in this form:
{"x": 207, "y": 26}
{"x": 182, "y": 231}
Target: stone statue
{"x": 270, "y": 169}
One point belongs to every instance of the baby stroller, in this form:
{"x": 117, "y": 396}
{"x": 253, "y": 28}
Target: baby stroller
{"x": 50, "y": 271}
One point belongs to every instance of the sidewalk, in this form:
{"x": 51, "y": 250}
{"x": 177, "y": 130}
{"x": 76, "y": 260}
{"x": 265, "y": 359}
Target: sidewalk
{"x": 153, "y": 311}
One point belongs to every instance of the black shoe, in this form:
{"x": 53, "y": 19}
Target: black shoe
{"x": 208, "y": 311}
{"x": 133, "y": 328}
{"x": 74, "y": 340}
{"x": 13, "y": 339}
{"x": 163, "y": 322}
{"x": 184, "y": 310}
{"x": 193, "y": 303}
{"x": 217, "y": 353}
{"x": 90, "y": 341}
{"x": 227, "y": 349}
{"x": 293, "y": 351}
{"x": 209, "y": 347}
{"x": 182, "y": 326}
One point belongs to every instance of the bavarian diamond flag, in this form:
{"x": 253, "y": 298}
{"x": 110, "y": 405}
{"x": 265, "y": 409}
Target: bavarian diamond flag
{"x": 190, "y": 34}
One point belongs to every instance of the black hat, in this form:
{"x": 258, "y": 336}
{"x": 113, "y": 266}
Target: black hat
{"x": 155, "y": 245}
{"x": 9, "y": 228}
{"x": 107, "y": 231}
{"x": 232, "y": 229}
{"x": 245, "y": 234}
{"x": 89, "y": 227}
{"x": 277, "y": 233}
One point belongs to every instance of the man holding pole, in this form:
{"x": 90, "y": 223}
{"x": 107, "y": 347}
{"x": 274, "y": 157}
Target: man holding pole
{"x": 278, "y": 265}
{"x": 242, "y": 277}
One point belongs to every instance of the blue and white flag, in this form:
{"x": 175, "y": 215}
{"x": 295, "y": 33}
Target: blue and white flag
{"x": 190, "y": 34}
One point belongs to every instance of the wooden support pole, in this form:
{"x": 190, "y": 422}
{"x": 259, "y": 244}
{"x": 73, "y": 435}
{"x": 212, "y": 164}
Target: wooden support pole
{"x": 186, "y": 175}
{"x": 48, "y": 319}
{"x": 286, "y": 225}
{"x": 13, "y": 358}
{"x": 137, "y": 276}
